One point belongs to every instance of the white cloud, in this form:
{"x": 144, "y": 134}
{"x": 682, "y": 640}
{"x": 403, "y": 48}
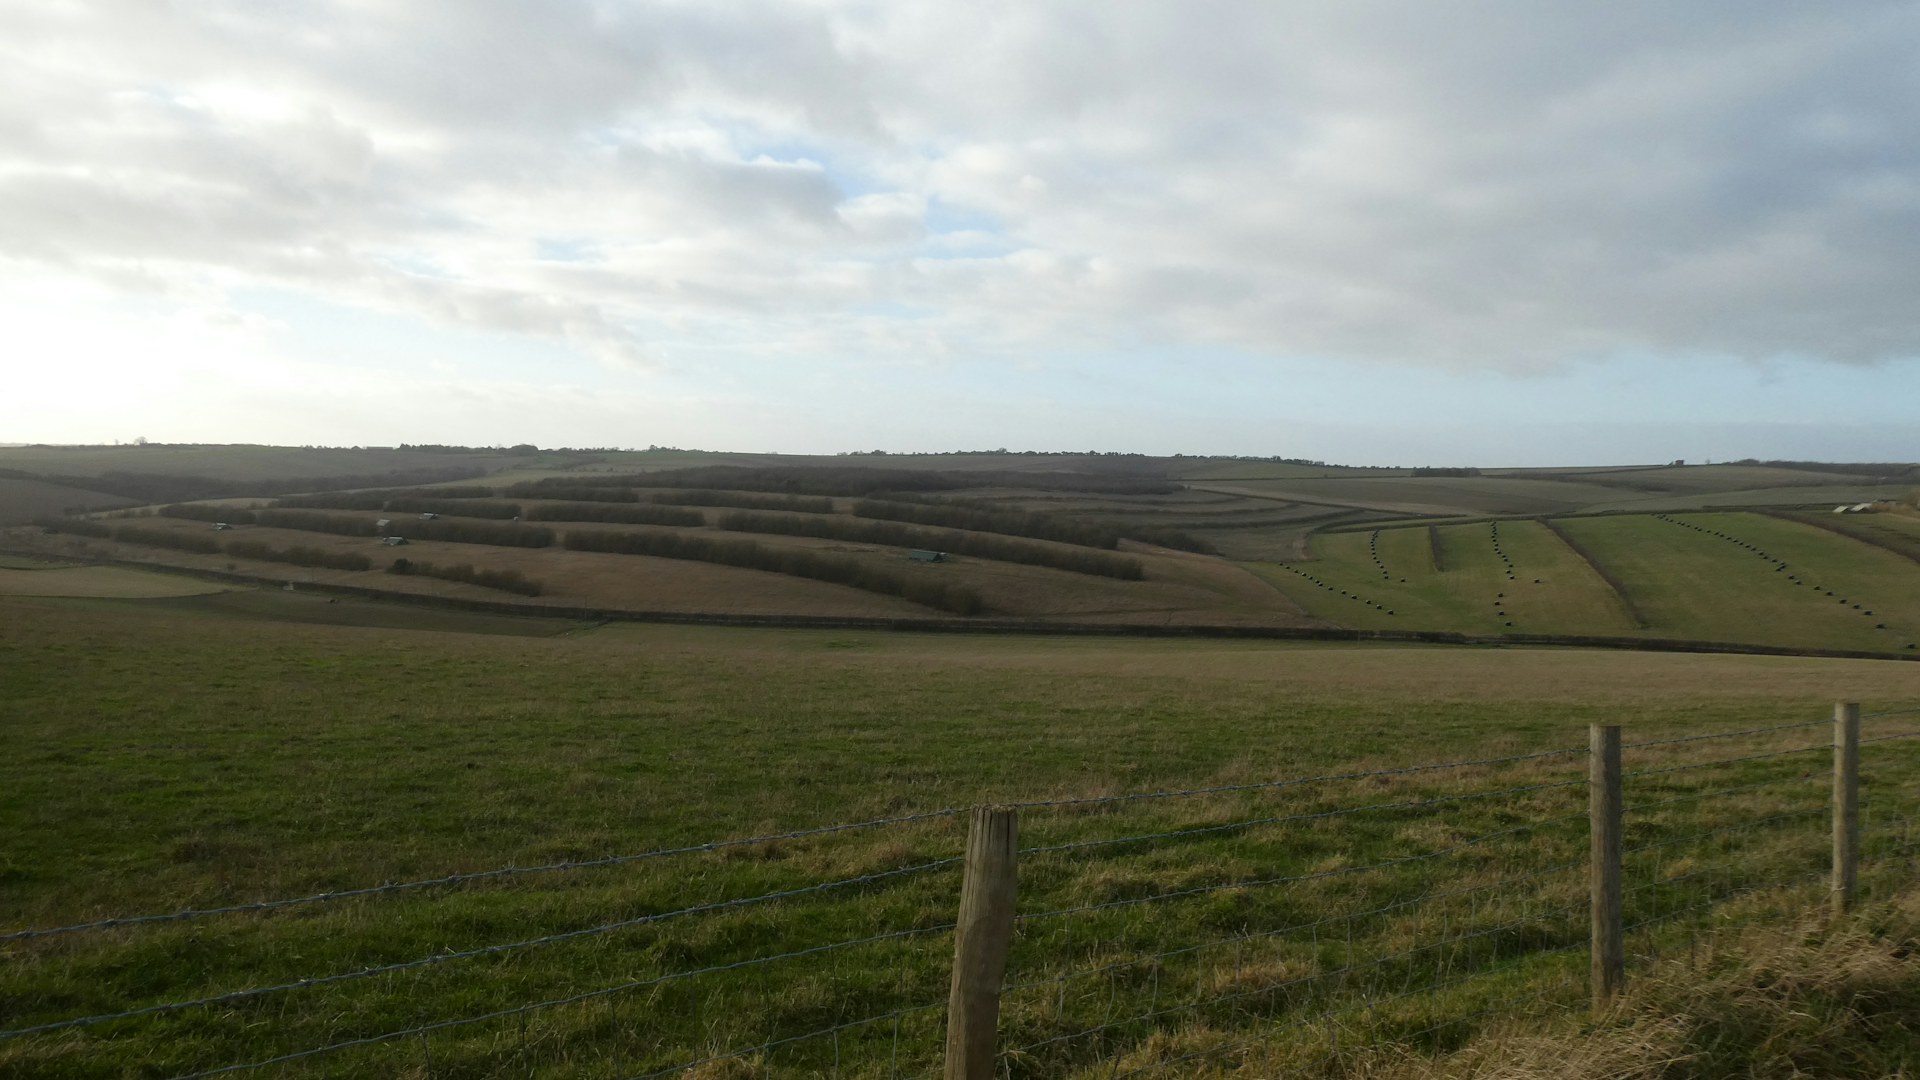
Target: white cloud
{"x": 1494, "y": 184}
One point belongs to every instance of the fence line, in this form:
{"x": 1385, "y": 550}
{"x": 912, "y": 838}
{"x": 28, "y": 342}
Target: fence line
{"x": 1517, "y": 916}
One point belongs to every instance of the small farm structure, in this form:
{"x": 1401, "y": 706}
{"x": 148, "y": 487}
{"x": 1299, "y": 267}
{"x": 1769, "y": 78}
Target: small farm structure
{"x": 221, "y": 526}
{"x": 393, "y": 541}
{"x": 382, "y": 524}
{"x": 428, "y": 517}
{"x": 918, "y": 555}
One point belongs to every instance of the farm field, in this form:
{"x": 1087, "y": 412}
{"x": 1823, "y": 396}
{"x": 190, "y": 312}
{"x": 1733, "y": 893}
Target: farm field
{"x": 1551, "y": 589}
{"x": 1690, "y": 583}
{"x": 239, "y": 755}
{"x": 100, "y": 581}
{"x": 23, "y": 500}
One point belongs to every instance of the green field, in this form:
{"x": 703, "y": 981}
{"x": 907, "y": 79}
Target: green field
{"x": 180, "y": 753}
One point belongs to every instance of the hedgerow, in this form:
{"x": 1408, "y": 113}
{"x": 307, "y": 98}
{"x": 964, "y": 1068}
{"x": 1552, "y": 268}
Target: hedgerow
{"x": 746, "y": 500}
{"x": 512, "y": 581}
{"x": 897, "y": 534}
{"x": 299, "y": 555}
{"x": 624, "y": 513}
{"x": 839, "y": 570}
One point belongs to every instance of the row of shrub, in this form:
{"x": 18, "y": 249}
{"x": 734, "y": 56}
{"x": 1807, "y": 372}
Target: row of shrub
{"x": 469, "y": 531}
{"x": 385, "y": 498}
{"x": 624, "y": 513}
{"x": 203, "y": 512}
{"x": 512, "y": 581}
{"x": 299, "y": 555}
{"x": 746, "y": 500}
{"x": 854, "y": 480}
{"x": 1010, "y": 523}
{"x": 458, "y": 507}
{"x": 899, "y": 534}
{"x": 572, "y": 490}
{"x": 209, "y": 544}
{"x": 839, "y": 570}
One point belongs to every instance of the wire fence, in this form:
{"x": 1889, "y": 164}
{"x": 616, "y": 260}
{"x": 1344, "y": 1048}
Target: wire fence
{"x": 1243, "y": 926}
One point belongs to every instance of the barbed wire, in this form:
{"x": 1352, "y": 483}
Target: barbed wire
{"x": 1316, "y": 815}
{"x": 1787, "y": 883}
{"x": 1891, "y": 712}
{"x": 1268, "y": 785}
{"x": 1292, "y": 878}
{"x": 1886, "y": 738}
{"x": 1724, "y": 734}
{"x": 1712, "y": 793}
{"x": 1744, "y": 826}
{"x": 465, "y": 878}
{"x": 518, "y": 1010}
{"x": 468, "y": 954}
{"x": 1725, "y": 761}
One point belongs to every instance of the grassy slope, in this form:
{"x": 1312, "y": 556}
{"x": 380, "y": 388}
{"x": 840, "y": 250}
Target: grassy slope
{"x": 246, "y": 759}
{"x": 1568, "y": 598}
{"x": 1694, "y": 585}
{"x": 24, "y": 500}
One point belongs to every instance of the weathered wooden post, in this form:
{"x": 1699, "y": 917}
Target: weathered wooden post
{"x": 1609, "y": 953}
{"x": 1846, "y": 805}
{"x": 981, "y": 937}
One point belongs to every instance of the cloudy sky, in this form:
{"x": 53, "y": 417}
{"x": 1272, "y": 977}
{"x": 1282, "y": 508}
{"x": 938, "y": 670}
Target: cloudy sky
{"x": 1470, "y": 233}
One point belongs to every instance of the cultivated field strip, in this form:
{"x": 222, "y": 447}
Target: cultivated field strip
{"x": 1174, "y": 932}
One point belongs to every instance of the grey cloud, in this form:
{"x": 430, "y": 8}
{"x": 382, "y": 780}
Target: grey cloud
{"x": 1489, "y": 184}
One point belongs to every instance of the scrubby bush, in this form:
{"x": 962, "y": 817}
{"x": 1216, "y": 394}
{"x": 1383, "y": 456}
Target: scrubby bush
{"x": 203, "y": 512}
{"x": 571, "y": 490}
{"x": 456, "y": 507}
{"x": 955, "y": 516}
{"x": 897, "y": 534}
{"x": 459, "y": 531}
{"x": 299, "y": 555}
{"x": 624, "y": 513}
{"x": 746, "y": 500}
{"x": 512, "y": 581}
{"x": 943, "y": 595}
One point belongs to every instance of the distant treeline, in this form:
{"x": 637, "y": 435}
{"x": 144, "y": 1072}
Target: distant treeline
{"x": 839, "y": 480}
{"x": 1011, "y": 523}
{"x": 208, "y": 544}
{"x": 898, "y": 534}
{"x": 839, "y": 570}
{"x": 624, "y": 513}
{"x": 162, "y": 488}
{"x": 1443, "y": 472}
{"x": 512, "y": 581}
{"x": 1890, "y": 469}
{"x": 459, "y": 531}
{"x": 745, "y": 500}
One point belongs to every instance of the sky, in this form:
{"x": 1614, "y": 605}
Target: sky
{"x": 1479, "y": 233}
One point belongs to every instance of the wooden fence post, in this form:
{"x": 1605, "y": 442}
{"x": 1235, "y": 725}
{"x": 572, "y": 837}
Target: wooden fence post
{"x": 1846, "y": 804}
{"x": 1609, "y": 954}
{"x": 981, "y": 937}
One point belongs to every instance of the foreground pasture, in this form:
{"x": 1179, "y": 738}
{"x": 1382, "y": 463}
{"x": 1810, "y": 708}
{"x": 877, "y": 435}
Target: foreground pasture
{"x": 166, "y": 756}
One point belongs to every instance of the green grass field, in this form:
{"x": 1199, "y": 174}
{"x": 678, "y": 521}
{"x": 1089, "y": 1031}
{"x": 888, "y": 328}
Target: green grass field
{"x": 164, "y": 757}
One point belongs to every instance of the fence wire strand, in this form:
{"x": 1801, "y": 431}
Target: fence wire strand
{"x": 468, "y": 954}
{"x": 466, "y": 878}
